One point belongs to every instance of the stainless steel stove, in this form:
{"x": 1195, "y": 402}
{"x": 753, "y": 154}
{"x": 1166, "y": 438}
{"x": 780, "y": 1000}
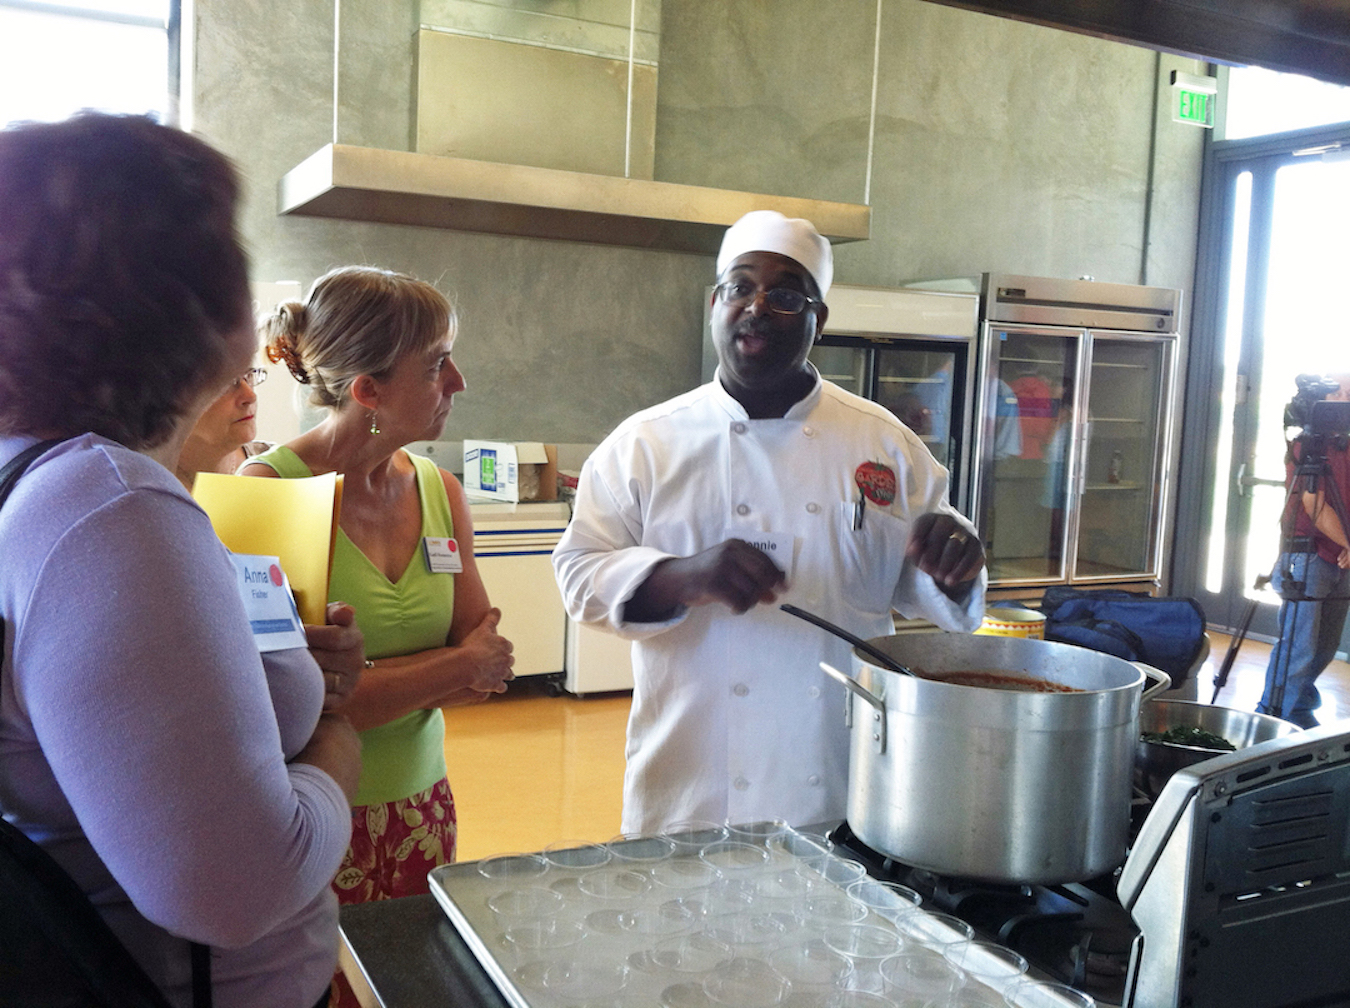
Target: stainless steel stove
{"x": 1240, "y": 880}
{"x": 1235, "y": 893}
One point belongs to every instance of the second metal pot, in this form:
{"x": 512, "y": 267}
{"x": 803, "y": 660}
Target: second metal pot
{"x": 994, "y": 784}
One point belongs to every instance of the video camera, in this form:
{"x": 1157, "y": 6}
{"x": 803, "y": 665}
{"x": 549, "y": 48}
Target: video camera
{"x": 1310, "y": 410}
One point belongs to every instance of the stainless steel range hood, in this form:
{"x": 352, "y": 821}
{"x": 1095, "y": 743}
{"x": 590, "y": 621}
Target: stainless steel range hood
{"x": 403, "y": 187}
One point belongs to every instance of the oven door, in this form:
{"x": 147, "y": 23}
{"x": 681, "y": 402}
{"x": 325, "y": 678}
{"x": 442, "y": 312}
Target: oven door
{"x": 1239, "y": 880}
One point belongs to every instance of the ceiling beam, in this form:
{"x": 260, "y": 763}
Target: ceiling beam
{"x": 1310, "y": 37}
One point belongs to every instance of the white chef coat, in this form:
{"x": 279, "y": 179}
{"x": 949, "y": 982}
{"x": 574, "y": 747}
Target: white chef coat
{"x": 732, "y": 718}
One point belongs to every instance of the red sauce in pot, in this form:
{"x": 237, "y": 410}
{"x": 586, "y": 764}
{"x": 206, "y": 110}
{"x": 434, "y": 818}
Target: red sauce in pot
{"x": 1001, "y": 680}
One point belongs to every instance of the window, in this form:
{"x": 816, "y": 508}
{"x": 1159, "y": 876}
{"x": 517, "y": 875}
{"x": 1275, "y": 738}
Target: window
{"x": 111, "y": 55}
{"x": 1260, "y": 102}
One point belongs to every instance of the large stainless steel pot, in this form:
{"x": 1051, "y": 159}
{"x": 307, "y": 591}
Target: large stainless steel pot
{"x": 993, "y": 784}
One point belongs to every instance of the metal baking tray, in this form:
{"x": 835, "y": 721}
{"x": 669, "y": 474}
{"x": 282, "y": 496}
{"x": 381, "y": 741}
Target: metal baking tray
{"x": 628, "y": 922}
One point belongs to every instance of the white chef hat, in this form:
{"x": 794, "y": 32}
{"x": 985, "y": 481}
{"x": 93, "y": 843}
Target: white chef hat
{"x": 770, "y": 231}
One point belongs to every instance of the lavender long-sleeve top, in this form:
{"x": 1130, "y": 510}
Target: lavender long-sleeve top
{"x": 144, "y": 742}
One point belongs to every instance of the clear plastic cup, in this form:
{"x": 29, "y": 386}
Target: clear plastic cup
{"x": 758, "y": 833}
{"x": 829, "y": 909}
{"x": 802, "y": 846}
{"x": 695, "y": 903}
{"x": 669, "y": 918}
{"x": 614, "y": 884}
{"x": 606, "y": 921}
{"x": 858, "y": 999}
{"x": 819, "y": 837}
{"x": 886, "y": 899}
{"x": 730, "y": 895}
{"x": 513, "y": 906}
{"x": 641, "y": 850}
{"x": 843, "y": 872}
{"x": 934, "y": 930}
{"x": 746, "y": 983}
{"x": 733, "y": 859}
{"x": 986, "y": 961}
{"x": 1030, "y": 993}
{"x": 866, "y": 946}
{"x": 812, "y": 965}
{"x": 685, "y": 995}
{"x": 972, "y": 995}
{"x": 573, "y": 981}
{"x": 920, "y": 976}
{"x": 577, "y": 854}
{"x": 683, "y": 874}
{"x": 698, "y": 952}
{"x": 792, "y": 885}
{"x": 512, "y": 867}
{"x": 749, "y": 930}
{"x": 531, "y": 938}
{"x": 690, "y": 836}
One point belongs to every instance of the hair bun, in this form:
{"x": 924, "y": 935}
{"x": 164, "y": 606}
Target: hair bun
{"x": 288, "y": 319}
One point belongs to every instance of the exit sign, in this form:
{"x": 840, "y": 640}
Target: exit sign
{"x": 1193, "y": 99}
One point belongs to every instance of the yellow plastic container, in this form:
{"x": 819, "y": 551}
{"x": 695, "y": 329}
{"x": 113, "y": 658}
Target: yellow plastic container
{"x": 1007, "y": 621}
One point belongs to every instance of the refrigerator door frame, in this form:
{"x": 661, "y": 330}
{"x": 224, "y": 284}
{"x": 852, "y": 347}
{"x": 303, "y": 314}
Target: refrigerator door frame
{"x": 963, "y": 421}
{"x": 981, "y": 482}
{"x": 1160, "y": 507}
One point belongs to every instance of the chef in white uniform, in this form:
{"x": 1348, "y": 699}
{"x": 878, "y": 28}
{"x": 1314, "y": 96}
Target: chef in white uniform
{"x": 695, "y": 518}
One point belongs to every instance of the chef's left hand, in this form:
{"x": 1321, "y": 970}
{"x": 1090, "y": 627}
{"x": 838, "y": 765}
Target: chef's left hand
{"x": 340, "y": 650}
{"x": 943, "y": 548}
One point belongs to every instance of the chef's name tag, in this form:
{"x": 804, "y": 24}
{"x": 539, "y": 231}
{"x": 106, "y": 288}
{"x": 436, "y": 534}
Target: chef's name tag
{"x": 442, "y": 555}
{"x": 268, "y": 603}
{"x": 777, "y": 546}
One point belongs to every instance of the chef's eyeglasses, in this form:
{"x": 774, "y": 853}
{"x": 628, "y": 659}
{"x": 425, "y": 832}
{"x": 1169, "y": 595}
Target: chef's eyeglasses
{"x": 784, "y": 300}
{"x": 253, "y": 377}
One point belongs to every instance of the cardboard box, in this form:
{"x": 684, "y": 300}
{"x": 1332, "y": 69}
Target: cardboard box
{"x": 511, "y": 470}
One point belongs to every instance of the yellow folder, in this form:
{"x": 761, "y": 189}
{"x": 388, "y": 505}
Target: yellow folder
{"x": 294, "y": 520}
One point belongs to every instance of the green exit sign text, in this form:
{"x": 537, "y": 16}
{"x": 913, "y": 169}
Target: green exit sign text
{"x": 1193, "y": 99}
{"x": 1195, "y": 107}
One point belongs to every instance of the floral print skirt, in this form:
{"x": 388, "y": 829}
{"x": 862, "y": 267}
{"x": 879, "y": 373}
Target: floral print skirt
{"x": 393, "y": 847}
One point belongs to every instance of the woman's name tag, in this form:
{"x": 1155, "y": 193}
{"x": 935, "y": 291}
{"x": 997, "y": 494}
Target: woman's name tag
{"x": 268, "y": 603}
{"x": 442, "y": 555}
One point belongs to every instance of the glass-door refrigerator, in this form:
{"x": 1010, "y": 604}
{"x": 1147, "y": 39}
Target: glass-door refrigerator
{"x": 1073, "y": 438}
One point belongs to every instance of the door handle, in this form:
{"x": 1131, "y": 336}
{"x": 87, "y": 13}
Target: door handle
{"x": 1244, "y": 482}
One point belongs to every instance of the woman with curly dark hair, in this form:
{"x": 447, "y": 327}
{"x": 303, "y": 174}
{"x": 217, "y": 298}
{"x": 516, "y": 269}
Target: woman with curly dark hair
{"x": 194, "y": 795}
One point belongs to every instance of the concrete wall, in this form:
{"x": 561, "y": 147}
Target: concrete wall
{"x": 998, "y": 145}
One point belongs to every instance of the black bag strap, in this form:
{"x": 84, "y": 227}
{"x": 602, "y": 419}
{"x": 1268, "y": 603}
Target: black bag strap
{"x": 9, "y": 475}
{"x": 19, "y": 464}
{"x": 49, "y": 901}
{"x": 56, "y": 905}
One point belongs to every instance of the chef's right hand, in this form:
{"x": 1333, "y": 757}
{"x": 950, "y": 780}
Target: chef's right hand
{"x": 733, "y": 572}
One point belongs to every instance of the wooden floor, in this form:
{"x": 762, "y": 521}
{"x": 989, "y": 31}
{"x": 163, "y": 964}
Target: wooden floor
{"x": 529, "y": 769}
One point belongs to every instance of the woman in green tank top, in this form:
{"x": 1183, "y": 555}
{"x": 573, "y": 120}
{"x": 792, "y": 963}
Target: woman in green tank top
{"x": 374, "y": 348}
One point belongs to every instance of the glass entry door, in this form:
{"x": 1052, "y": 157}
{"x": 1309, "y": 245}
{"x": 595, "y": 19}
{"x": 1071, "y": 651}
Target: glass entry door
{"x": 1276, "y": 226}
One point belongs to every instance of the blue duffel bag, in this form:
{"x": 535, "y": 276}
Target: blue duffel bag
{"x": 1167, "y": 633}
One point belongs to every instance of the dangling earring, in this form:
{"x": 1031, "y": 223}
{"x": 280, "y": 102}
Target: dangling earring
{"x": 374, "y": 427}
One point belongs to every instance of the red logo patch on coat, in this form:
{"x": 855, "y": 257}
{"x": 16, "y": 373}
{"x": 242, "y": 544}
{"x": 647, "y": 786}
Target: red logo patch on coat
{"x": 877, "y": 482}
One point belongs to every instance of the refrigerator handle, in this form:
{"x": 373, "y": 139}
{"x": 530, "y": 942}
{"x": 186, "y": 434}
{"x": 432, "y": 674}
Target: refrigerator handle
{"x": 1080, "y": 465}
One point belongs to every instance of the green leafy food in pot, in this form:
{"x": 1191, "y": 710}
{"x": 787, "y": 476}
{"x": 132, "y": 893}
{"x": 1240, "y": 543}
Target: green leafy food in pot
{"x": 1189, "y": 735}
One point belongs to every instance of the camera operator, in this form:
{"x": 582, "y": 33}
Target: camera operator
{"x": 1312, "y": 574}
